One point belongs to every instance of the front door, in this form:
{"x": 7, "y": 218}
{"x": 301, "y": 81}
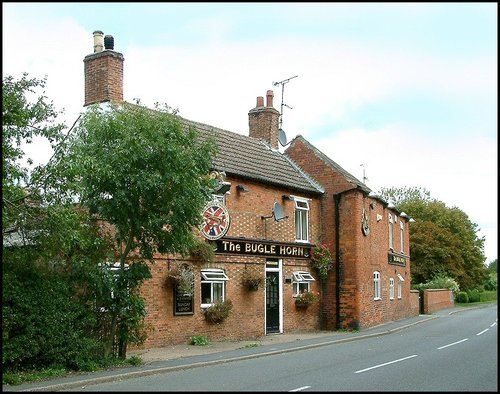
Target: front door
{"x": 272, "y": 302}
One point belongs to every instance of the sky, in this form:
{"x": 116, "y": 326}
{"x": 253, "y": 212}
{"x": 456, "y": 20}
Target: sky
{"x": 398, "y": 94}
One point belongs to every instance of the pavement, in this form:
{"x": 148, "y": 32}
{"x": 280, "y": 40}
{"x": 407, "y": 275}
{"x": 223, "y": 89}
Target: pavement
{"x": 168, "y": 358}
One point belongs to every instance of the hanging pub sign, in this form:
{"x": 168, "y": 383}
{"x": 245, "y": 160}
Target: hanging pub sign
{"x": 215, "y": 220}
{"x": 263, "y": 248}
{"x": 397, "y": 259}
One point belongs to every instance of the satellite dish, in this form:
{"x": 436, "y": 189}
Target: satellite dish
{"x": 282, "y": 137}
{"x": 278, "y": 212}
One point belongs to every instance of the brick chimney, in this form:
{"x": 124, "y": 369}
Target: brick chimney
{"x": 263, "y": 121}
{"x": 103, "y": 72}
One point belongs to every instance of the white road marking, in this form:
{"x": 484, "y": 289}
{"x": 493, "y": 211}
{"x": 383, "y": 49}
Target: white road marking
{"x": 454, "y": 343}
{"x": 299, "y": 389}
{"x": 381, "y": 365}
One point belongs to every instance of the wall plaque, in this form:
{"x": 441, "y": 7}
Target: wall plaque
{"x": 183, "y": 303}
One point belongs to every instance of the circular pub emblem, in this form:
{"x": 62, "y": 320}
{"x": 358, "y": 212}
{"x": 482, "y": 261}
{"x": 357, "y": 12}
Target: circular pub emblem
{"x": 215, "y": 221}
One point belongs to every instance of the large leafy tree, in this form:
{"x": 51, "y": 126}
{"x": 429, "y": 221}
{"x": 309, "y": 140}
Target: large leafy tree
{"x": 26, "y": 114}
{"x": 49, "y": 251}
{"x": 144, "y": 174}
{"x": 443, "y": 240}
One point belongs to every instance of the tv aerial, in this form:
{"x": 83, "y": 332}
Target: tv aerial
{"x": 281, "y": 133}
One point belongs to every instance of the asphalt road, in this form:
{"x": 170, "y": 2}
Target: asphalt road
{"x": 451, "y": 350}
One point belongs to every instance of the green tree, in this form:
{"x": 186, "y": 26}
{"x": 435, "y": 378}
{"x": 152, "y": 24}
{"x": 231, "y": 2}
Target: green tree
{"x": 145, "y": 174}
{"x": 493, "y": 266}
{"x": 26, "y": 114}
{"x": 49, "y": 251}
{"x": 443, "y": 241}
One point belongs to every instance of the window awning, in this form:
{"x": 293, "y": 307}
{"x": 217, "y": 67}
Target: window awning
{"x": 213, "y": 274}
{"x": 302, "y": 276}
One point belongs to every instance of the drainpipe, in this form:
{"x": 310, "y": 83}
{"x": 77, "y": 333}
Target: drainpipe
{"x": 337, "y": 198}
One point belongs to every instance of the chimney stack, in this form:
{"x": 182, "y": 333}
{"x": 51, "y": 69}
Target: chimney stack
{"x": 263, "y": 121}
{"x": 98, "y": 41}
{"x": 103, "y": 72}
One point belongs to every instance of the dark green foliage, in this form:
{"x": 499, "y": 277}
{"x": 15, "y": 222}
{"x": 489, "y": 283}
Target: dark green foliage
{"x": 443, "y": 240}
{"x": 492, "y": 282}
{"x": 492, "y": 266}
{"x": 474, "y": 295}
{"x": 487, "y": 296}
{"x": 199, "y": 340}
{"x": 462, "y": 297}
{"x": 43, "y": 324}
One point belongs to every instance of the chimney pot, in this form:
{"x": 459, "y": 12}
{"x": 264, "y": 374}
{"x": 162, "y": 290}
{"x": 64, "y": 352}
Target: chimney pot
{"x": 260, "y": 101}
{"x": 109, "y": 42}
{"x": 98, "y": 41}
{"x": 269, "y": 97}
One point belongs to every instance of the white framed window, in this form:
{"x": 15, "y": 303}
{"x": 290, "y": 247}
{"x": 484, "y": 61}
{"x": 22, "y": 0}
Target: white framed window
{"x": 391, "y": 288}
{"x": 110, "y": 273}
{"x": 301, "y": 281}
{"x": 402, "y": 235}
{"x": 213, "y": 285}
{"x": 301, "y": 219}
{"x": 400, "y": 286}
{"x": 391, "y": 233}
{"x": 376, "y": 286}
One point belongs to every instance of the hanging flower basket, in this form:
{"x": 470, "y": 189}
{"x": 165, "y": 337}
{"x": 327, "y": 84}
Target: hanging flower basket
{"x": 182, "y": 276}
{"x": 303, "y": 300}
{"x": 322, "y": 260}
{"x": 252, "y": 280}
{"x": 218, "y": 312}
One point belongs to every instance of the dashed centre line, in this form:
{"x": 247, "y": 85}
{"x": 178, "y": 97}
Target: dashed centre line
{"x": 454, "y": 343}
{"x": 382, "y": 365}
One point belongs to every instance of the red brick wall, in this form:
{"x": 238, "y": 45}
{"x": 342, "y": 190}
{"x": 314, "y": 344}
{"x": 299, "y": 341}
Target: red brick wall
{"x": 247, "y": 319}
{"x": 363, "y": 255}
{"x": 359, "y": 255}
{"x": 103, "y": 77}
{"x": 415, "y": 302}
{"x": 436, "y": 299}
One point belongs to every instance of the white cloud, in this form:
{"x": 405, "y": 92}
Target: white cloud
{"x": 218, "y": 83}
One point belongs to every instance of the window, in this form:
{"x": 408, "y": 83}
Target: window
{"x": 212, "y": 286}
{"x": 376, "y": 286}
{"x": 110, "y": 273}
{"x": 402, "y": 237}
{"x": 400, "y": 286}
{"x": 301, "y": 219}
{"x": 391, "y": 288}
{"x": 391, "y": 238}
{"x": 301, "y": 281}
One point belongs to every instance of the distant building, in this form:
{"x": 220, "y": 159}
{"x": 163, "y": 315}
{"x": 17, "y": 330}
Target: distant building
{"x": 271, "y": 210}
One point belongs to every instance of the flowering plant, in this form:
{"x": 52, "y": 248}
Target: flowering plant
{"x": 252, "y": 279}
{"x": 306, "y": 298}
{"x": 322, "y": 260}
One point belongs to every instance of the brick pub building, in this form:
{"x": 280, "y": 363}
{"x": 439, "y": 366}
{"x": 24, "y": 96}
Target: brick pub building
{"x": 271, "y": 209}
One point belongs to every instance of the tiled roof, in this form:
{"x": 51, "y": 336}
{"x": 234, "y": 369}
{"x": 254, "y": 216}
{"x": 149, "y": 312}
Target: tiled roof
{"x": 250, "y": 158}
{"x": 350, "y": 178}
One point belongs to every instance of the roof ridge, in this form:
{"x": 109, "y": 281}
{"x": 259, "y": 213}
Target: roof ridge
{"x": 347, "y": 175}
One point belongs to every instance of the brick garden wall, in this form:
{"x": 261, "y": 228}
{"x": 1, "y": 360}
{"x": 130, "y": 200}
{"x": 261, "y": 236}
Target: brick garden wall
{"x": 436, "y": 299}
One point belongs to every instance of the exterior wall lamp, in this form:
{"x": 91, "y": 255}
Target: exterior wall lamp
{"x": 225, "y": 187}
